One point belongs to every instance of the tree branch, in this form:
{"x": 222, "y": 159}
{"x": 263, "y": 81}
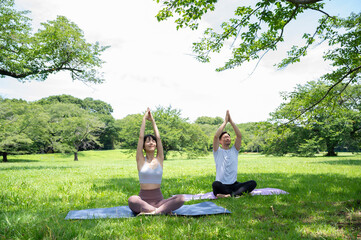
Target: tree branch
{"x": 308, "y": 43}
{"x": 234, "y": 28}
{"x": 319, "y": 10}
{"x": 268, "y": 47}
{"x": 303, "y": 1}
{"x": 326, "y": 94}
{"x": 23, "y": 75}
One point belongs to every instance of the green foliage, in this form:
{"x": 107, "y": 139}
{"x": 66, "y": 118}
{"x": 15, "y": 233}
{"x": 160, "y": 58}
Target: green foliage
{"x": 56, "y": 124}
{"x": 209, "y": 120}
{"x": 59, "y": 46}
{"x": 89, "y": 104}
{"x": 129, "y": 130}
{"x": 255, "y": 30}
{"x": 333, "y": 122}
{"x": 108, "y": 136}
{"x": 254, "y": 136}
{"x": 278, "y": 142}
{"x": 19, "y": 126}
{"x": 72, "y": 128}
{"x": 176, "y": 133}
{"x": 190, "y": 11}
{"x": 310, "y": 147}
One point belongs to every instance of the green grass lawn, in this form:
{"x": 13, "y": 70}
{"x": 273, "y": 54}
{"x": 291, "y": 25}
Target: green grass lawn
{"x": 37, "y": 191}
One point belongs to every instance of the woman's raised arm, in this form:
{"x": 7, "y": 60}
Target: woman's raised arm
{"x": 160, "y": 153}
{"x": 140, "y": 156}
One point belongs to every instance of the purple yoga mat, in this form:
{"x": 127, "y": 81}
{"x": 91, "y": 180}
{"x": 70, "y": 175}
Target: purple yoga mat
{"x": 210, "y": 195}
{"x": 268, "y": 191}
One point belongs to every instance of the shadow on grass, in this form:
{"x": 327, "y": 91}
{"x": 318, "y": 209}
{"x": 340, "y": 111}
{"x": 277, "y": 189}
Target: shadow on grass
{"x": 35, "y": 168}
{"x": 342, "y": 162}
{"x": 121, "y": 185}
{"x": 20, "y": 161}
{"x": 315, "y": 201}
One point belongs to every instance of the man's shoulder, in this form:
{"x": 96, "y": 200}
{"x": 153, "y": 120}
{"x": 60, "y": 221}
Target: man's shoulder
{"x": 233, "y": 148}
{"x": 216, "y": 153}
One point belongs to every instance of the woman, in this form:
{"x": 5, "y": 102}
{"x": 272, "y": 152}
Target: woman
{"x": 150, "y": 171}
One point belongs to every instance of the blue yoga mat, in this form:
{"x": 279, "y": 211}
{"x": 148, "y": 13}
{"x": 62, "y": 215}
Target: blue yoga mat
{"x": 199, "y": 209}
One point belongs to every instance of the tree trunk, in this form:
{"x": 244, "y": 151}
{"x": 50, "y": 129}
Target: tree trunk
{"x": 5, "y": 156}
{"x": 331, "y": 151}
{"x": 75, "y": 156}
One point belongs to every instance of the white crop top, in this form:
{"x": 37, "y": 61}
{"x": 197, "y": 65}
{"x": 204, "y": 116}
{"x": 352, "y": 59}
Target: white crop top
{"x": 149, "y": 175}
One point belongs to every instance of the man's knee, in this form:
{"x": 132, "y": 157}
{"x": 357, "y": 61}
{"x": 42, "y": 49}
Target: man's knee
{"x": 216, "y": 184}
{"x": 253, "y": 184}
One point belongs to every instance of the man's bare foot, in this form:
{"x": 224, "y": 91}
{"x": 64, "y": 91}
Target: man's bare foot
{"x": 220, "y": 195}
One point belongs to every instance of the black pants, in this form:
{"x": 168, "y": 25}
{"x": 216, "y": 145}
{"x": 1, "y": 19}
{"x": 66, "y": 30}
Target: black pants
{"x": 234, "y": 189}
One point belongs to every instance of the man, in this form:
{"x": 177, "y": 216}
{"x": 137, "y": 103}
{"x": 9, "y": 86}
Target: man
{"x": 226, "y": 159}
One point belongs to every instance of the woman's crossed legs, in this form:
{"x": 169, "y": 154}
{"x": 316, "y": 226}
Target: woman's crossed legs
{"x": 152, "y": 202}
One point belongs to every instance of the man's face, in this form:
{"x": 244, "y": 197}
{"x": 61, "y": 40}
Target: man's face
{"x": 225, "y": 140}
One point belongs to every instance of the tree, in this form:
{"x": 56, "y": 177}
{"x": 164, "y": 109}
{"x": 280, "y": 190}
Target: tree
{"x": 176, "y": 133}
{"x": 72, "y": 128}
{"x": 332, "y": 122}
{"x": 19, "y": 126}
{"x": 108, "y": 135}
{"x": 256, "y": 30}
{"x": 88, "y": 104}
{"x": 209, "y": 120}
{"x": 59, "y": 46}
{"x": 253, "y": 137}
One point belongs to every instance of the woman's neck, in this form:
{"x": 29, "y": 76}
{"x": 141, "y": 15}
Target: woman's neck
{"x": 149, "y": 156}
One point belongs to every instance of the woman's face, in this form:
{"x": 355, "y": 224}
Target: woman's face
{"x": 150, "y": 144}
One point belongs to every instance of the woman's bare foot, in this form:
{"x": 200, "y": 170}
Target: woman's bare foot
{"x": 148, "y": 213}
{"x": 220, "y": 195}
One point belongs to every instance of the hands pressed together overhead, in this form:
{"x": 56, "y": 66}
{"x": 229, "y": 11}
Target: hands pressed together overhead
{"x": 148, "y": 115}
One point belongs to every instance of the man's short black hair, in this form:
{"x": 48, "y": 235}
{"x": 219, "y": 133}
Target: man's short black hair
{"x": 220, "y": 136}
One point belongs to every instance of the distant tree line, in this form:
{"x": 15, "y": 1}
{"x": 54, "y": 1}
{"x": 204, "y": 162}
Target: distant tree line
{"x": 67, "y": 124}
{"x": 55, "y": 124}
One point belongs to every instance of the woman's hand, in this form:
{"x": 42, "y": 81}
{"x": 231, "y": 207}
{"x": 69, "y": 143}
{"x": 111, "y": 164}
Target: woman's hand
{"x": 148, "y": 115}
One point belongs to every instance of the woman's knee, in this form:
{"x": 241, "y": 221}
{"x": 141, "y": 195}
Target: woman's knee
{"x": 133, "y": 199}
{"x": 180, "y": 198}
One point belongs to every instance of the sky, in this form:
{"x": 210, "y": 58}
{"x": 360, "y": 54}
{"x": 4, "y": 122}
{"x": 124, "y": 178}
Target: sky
{"x": 150, "y": 63}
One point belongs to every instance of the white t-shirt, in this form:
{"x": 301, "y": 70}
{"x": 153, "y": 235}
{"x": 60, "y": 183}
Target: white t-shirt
{"x": 226, "y": 165}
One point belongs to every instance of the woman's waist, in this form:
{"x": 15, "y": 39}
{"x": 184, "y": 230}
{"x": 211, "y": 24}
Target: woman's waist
{"x": 147, "y": 194}
{"x": 149, "y": 186}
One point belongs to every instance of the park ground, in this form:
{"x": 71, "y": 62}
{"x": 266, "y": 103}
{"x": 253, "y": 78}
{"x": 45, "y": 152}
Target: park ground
{"x": 37, "y": 192}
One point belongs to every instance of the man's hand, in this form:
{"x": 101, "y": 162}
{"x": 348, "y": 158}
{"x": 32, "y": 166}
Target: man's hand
{"x": 226, "y": 119}
{"x": 229, "y": 117}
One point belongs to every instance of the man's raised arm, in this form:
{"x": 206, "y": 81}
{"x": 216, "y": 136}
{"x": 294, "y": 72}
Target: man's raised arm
{"x": 219, "y": 131}
{"x": 238, "y": 141}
